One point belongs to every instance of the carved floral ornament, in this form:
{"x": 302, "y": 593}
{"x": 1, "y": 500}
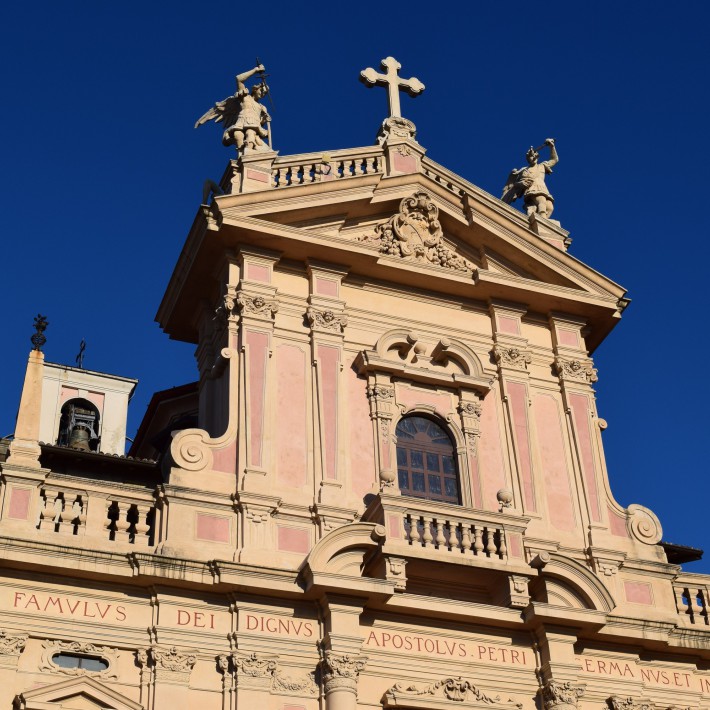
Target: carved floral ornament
{"x": 415, "y": 233}
{"x": 11, "y": 645}
{"x": 242, "y": 303}
{"x": 256, "y": 665}
{"x": 561, "y": 695}
{"x": 173, "y": 660}
{"x": 455, "y": 689}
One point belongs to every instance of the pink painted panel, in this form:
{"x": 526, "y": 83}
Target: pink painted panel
{"x": 638, "y": 592}
{"x": 394, "y": 526}
{"x": 490, "y": 453}
{"x": 326, "y": 287}
{"x": 258, "y": 272}
{"x": 225, "y": 459}
{"x": 506, "y": 324}
{"x": 293, "y": 539}
{"x": 362, "y": 445}
{"x": 329, "y": 357}
{"x": 291, "y": 445}
{"x": 211, "y": 527}
{"x": 257, "y": 344}
{"x": 67, "y": 393}
{"x": 617, "y": 523}
{"x": 554, "y": 462}
{"x": 568, "y": 337}
{"x": 19, "y": 507}
{"x": 404, "y": 163}
{"x": 579, "y": 404}
{"x": 294, "y": 707}
{"x": 257, "y": 175}
{"x": 518, "y": 397}
{"x": 515, "y": 545}
{"x": 413, "y": 398}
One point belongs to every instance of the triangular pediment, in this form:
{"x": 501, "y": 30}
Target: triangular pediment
{"x": 83, "y": 693}
{"x": 458, "y": 242}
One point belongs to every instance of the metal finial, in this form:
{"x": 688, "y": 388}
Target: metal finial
{"x": 80, "y": 356}
{"x": 40, "y": 325}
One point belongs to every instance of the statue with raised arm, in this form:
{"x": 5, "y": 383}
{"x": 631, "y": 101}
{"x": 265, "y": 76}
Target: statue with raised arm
{"x": 529, "y": 182}
{"x": 246, "y": 121}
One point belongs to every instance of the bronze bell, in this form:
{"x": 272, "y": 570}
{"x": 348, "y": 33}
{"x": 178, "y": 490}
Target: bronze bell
{"x": 79, "y": 438}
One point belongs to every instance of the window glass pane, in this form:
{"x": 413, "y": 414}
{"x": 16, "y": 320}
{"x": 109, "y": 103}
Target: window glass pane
{"x": 93, "y": 664}
{"x": 64, "y": 660}
{"x": 448, "y": 462}
{"x": 451, "y": 488}
{"x": 416, "y": 459}
{"x": 403, "y": 479}
{"x": 406, "y": 429}
{"x": 401, "y": 456}
{"x": 434, "y": 484}
{"x": 418, "y": 482}
{"x": 432, "y": 462}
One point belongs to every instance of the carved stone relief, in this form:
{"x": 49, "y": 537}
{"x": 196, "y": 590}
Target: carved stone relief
{"x": 326, "y": 320}
{"x": 616, "y": 702}
{"x": 455, "y": 689}
{"x": 11, "y": 645}
{"x": 264, "y": 671}
{"x": 256, "y": 305}
{"x": 173, "y": 664}
{"x": 414, "y": 233}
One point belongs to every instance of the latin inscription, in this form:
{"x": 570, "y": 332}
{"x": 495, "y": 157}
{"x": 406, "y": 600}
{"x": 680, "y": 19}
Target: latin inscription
{"x": 450, "y": 648}
{"x": 276, "y": 625}
{"x": 68, "y": 606}
{"x": 661, "y": 677}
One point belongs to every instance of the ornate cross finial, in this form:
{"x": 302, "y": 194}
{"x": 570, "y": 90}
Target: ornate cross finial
{"x": 393, "y": 82}
{"x": 40, "y": 324}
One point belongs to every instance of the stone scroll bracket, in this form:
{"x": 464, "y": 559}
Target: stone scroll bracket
{"x": 11, "y": 646}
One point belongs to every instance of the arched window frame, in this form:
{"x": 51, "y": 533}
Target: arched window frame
{"x": 458, "y": 440}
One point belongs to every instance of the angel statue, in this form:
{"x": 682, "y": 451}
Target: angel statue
{"x": 529, "y": 182}
{"x": 246, "y": 121}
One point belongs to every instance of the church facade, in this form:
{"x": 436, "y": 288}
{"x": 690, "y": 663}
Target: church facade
{"x": 387, "y": 488}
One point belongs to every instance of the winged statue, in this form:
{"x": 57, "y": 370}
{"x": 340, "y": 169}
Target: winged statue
{"x": 246, "y": 121}
{"x": 529, "y": 182}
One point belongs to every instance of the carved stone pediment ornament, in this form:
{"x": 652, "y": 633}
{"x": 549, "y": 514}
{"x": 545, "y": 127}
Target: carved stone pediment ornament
{"x": 414, "y": 233}
{"x": 516, "y": 358}
{"x": 561, "y": 696}
{"x": 51, "y": 648}
{"x": 455, "y": 689}
{"x": 575, "y": 370}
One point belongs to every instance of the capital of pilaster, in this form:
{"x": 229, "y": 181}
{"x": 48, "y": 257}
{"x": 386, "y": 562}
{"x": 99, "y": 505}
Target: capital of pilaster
{"x": 255, "y": 670}
{"x": 575, "y": 370}
{"x": 561, "y": 696}
{"x": 254, "y": 305}
{"x": 341, "y": 671}
{"x": 326, "y": 320}
{"x": 616, "y": 702}
{"x": 172, "y": 664}
{"x": 511, "y": 357}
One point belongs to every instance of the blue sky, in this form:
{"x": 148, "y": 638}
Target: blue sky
{"x": 102, "y": 174}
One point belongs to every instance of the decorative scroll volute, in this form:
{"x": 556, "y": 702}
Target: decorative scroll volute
{"x": 616, "y": 702}
{"x": 575, "y": 370}
{"x": 470, "y": 408}
{"x": 512, "y": 357}
{"x": 382, "y": 409}
{"x": 12, "y": 645}
{"x": 456, "y": 689}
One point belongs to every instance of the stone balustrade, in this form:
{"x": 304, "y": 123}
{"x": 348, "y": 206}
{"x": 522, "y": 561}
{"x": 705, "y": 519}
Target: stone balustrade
{"x": 692, "y": 595}
{"x": 452, "y": 532}
{"x": 69, "y": 509}
{"x": 319, "y": 167}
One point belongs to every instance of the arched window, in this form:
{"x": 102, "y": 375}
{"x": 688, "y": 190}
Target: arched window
{"x": 426, "y": 463}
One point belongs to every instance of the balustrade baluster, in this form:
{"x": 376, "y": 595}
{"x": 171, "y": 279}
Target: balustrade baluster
{"x": 478, "y": 539}
{"x": 465, "y": 537}
{"x": 491, "y": 542}
{"x": 503, "y": 548}
{"x": 122, "y": 523}
{"x": 427, "y": 537}
{"x": 142, "y": 537}
{"x": 440, "y": 539}
{"x": 369, "y": 166}
{"x": 275, "y": 177}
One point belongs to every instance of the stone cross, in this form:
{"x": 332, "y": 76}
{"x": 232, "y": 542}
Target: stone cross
{"x": 393, "y": 82}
